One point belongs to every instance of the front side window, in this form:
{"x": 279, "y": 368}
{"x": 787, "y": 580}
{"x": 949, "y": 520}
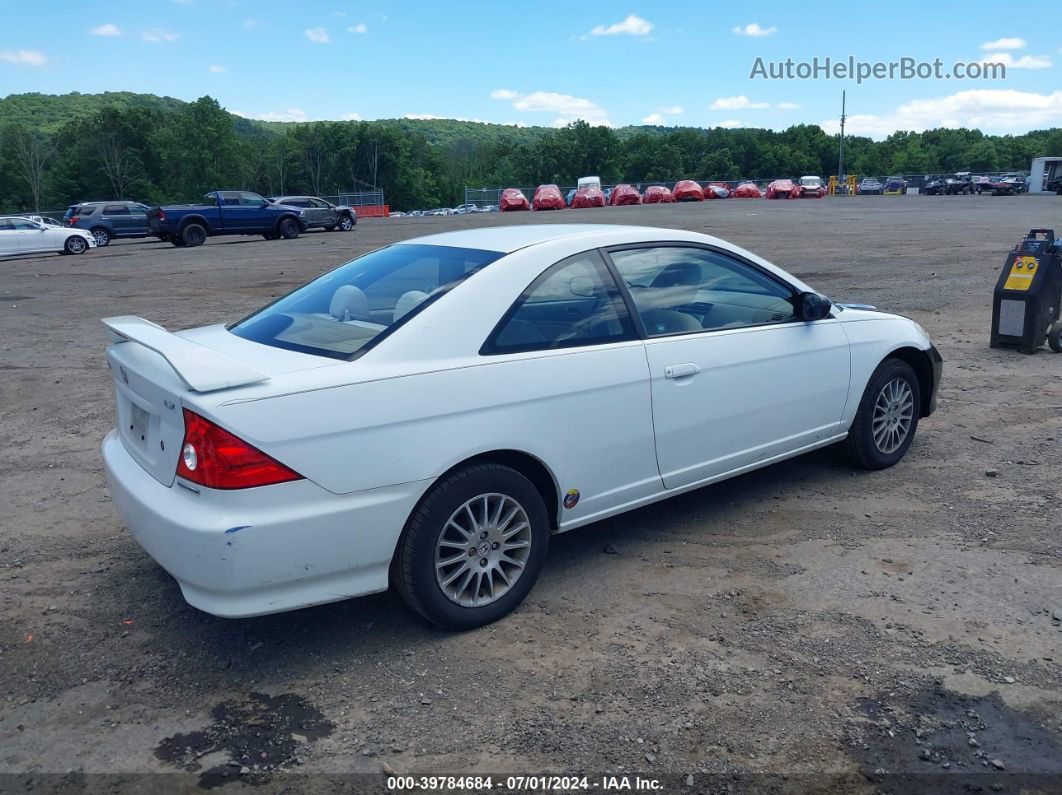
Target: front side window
{"x": 320, "y": 204}
{"x": 680, "y": 289}
{"x": 344, "y": 312}
{"x": 250, "y": 200}
{"x": 573, "y": 303}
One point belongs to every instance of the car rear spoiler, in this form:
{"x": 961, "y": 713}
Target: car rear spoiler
{"x": 202, "y": 369}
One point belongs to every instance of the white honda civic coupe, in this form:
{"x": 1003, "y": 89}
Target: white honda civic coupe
{"x": 428, "y": 414}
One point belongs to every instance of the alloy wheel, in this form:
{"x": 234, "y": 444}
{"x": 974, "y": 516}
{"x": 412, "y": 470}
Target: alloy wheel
{"x": 482, "y": 550}
{"x": 893, "y": 413}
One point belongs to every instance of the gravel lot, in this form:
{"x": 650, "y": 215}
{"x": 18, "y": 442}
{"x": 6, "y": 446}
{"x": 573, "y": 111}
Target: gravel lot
{"x": 803, "y": 627}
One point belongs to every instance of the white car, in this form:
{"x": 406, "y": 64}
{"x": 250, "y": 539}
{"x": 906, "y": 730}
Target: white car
{"x": 426, "y": 415}
{"x": 22, "y": 235}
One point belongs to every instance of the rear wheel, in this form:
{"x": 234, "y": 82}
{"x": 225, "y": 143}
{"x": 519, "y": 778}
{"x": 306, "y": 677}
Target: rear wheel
{"x": 473, "y": 548}
{"x": 103, "y": 237}
{"x": 887, "y": 417}
{"x": 289, "y": 229}
{"x": 1054, "y": 336}
{"x": 193, "y": 235}
{"x": 75, "y": 244}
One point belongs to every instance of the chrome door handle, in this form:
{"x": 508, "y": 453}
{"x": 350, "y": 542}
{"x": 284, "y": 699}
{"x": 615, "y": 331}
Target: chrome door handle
{"x": 681, "y": 370}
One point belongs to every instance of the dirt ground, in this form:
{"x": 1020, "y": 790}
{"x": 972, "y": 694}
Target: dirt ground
{"x": 804, "y": 627}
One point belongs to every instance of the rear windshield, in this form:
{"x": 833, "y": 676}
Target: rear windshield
{"x": 345, "y": 312}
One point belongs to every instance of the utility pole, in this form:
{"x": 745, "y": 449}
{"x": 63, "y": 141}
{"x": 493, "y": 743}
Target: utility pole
{"x": 840, "y": 153}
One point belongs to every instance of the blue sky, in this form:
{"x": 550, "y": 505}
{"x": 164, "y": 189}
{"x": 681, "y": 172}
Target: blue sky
{"x": 681, "y": 63}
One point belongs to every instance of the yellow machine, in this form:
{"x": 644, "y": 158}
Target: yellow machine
{"x": 849, "y": 182}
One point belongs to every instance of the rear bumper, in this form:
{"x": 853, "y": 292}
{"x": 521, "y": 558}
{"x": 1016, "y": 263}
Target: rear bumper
{"x": 265, "y": 550}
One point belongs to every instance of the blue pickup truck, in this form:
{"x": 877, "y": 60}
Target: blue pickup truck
{"x": 225, "y": 212}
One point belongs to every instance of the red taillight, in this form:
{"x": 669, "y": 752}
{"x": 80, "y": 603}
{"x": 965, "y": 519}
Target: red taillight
{"x": 74, "y": 219}
{"x": 213, "y": 457}
{"x": 162, "y": 215}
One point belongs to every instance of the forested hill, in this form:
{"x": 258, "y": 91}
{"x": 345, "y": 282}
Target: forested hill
{"x": 75, "y": 147}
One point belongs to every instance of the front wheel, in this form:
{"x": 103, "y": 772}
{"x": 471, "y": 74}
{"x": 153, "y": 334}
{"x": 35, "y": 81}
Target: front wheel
{"x": 887, "y": 417}
{"x": 473, "y": 548}
{"x": 289, "y": 229}
{"x": 75, "y": 244}
{"x": 346, "y": 223}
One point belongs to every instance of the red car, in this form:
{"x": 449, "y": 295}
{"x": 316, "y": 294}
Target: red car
{"x": 623, "y": 195}
{"x": 688, "y": 191}
{"x": 513, "y": 199}
{"x": 588, "y": 197}
{"x": 547, "y": 197}
{"x": 783, "y": 189}
{"x": 657, "y": 194}
{"x": 747, "y": 190}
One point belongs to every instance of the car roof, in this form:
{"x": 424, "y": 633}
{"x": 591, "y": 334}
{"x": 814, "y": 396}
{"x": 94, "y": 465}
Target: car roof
{"x": 506, "y": 239}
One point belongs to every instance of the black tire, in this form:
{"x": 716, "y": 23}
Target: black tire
{"x": 1054, "y": 336}
{"x": 860, "y": 445}
{"x": 271, "y": 236}
{"x": 193, "y": 235}
{"x": 413, "y": 569}
{"x": 346, "y": 223}
{"x": 75, "y": 244}
{"x": 288, "y": 228}
{"x": 177, "y": 241}
{"x": 103, "y": 237}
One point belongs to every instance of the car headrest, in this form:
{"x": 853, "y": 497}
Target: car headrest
{"x": 678, "y": 274}
{"x": 407, "y": 303}
{"x": 349, "y": 303}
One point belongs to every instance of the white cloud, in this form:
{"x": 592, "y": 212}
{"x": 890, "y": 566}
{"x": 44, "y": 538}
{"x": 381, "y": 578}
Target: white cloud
{"x": 1013, "y": 43}
{"x": 216, "y": 68}
{"x": 754, "y": 29}
{"x": 654, "y": 118}
{"x": 24, "y": 57}
{"x": 991, "y": 110}
{"x": 159, "y": 35}
{"x": 106, "y": 29}
{"x": 631, "y": 26}
{"x": 351, "y": 117}
{"x": 568, "y": 107}
{"x": 737, "y": 103}
{"x": 291, "y": 114}
{"x": 787, "y": 106}
{"x": 317, "y": 35}
{"x": 1024, "y": 62}
{"x": 361, "y": 27}
{"x": 728, "y": 124}
{"x": 673, "y": 110}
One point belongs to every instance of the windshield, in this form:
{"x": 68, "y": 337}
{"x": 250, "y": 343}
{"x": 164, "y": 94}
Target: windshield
{"x": 810, "y": 182}
{"x": 344, "y": 312}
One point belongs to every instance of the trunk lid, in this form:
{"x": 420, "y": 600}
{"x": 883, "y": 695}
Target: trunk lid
{"x": 154, "y": 370}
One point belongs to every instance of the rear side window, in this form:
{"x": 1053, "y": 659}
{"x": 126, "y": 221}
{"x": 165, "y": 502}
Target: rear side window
{"x": 86, "y": 209}
{"x": 345, "y": 312}
{"x": 574, "y": 303}
{"x": 116, "y": 209}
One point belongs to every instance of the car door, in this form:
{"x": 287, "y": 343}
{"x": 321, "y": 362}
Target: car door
{"x": 8, "y": 238}
{"x": 118, "y": 218}
{"x": 736, "y": 377}
{"x": 137, "y": 223}
{"x": 571, "y": 345}
{"x": 321, "y": 212}
{"x": 32, "y": 237}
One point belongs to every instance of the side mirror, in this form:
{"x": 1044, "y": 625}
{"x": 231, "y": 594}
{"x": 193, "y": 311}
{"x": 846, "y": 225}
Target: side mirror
{"x": 813, "y": 306}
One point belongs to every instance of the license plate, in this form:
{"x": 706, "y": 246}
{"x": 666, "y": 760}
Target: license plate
{"x": 138, "y": 424}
